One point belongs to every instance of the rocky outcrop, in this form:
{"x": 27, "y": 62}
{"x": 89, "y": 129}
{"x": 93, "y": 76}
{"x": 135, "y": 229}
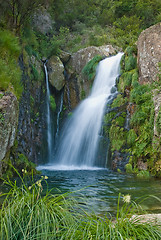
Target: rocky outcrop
{"x": 56, "y": 72}
{"x": 8, "y": 122}
{"x": 32, "y": 107}
{"x": 149, "y": 53}
{"x": 77, "y": 85}
{"x": 42, "y": 21}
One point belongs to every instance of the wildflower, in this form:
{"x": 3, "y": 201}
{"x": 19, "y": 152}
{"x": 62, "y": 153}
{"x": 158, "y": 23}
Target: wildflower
{"x": 39, "y": 183}
{"x": 30, "y": 187}
{"x": 23, "y": 170}
{"x": 126, "y": 198}
{"x": 46, "y": 177}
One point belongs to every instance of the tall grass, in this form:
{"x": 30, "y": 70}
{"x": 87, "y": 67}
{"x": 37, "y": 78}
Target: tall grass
{"x": 27, "y": 213}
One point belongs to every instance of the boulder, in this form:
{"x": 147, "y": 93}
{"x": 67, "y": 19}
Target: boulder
{"x": 78, "y": 86}
{"x": 82, "y": 57}
{"x": 149, "y": 53}
{"x": 42, "y": 21}
{"x": 56, "y": 72}
{"x": 8, "y": 122}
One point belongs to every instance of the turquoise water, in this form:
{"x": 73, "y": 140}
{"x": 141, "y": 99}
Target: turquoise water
{"x": 102, "y": 187}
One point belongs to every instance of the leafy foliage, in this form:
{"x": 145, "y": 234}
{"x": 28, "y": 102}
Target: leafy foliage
{"x": 10, "y": 73}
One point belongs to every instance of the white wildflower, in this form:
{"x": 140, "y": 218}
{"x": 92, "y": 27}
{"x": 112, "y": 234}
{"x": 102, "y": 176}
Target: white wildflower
{"x": 127, "y": 198}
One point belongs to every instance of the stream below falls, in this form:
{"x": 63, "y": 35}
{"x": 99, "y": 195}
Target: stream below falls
{"x": 101, "y": 188}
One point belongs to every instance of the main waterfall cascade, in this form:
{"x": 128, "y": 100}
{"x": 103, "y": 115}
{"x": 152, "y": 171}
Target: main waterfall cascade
{"x": 78, "y": 144}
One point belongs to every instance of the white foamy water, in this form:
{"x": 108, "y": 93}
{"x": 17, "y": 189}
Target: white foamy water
{"x": 80, "y": 137}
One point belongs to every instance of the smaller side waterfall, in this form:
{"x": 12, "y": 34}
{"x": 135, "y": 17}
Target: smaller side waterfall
{"x": 58, "y": 116}
{"x": 49, "y": 128}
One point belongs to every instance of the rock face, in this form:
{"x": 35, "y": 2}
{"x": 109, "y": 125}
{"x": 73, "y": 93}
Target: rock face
{"x": 56, "y": 72}
{"x": 31, "y": 110}
{"x": 77, "y": 85}
{"x": 42, "y": 21}
{"x": 149, "y": 53}
{"x": 8, "y": 122}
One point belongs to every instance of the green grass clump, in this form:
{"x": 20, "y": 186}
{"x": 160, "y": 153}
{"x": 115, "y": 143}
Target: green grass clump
{"x": 27, "y": 212}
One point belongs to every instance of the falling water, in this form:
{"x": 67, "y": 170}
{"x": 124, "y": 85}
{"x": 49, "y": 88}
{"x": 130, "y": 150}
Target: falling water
{"x": 58, "y": 116}
{"x": 78, "y": 144}
{"x": 49, "y": 129}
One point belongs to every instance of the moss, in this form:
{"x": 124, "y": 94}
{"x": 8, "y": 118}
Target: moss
{"x": 130, "y": 63}
{"x": 90, "y": 68}
{"x": 52, "y": 103}
{"x": 158, "y": 121}
{"x": 131, "y": 137}
{"x": 120, "y": 100}
{"x": 117, "y": 137}
{"x": 83, "y": 94}
{"x": 128, "y": 168}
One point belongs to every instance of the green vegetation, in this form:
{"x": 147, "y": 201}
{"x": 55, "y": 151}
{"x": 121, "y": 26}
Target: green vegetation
{"x": 10, "y": 73}
{"x": 52, "y": 103}
{"x": 90, "y": 69}
{"x": 27, "y": 212}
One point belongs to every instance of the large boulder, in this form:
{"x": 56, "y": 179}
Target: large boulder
{"x": 149, "y": 53}
{"x": 8, "y": 122}
{"x": 56, "y": 72}
{"x": 42, "y": 21}
{"x": 77, "y": 85}
{"x": 82, "y": 57}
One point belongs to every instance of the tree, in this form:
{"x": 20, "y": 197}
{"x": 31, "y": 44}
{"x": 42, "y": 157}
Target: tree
{"x": 18, "y": 12}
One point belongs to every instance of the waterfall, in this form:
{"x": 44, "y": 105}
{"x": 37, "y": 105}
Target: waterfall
{"x": 49, "y": 128}
{"x": 79, "y": 140}
{"x": 58, "y": 115}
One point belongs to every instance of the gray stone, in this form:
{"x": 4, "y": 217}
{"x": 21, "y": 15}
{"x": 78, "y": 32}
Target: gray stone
{"x": 8, "y": 122}
{"x": 78, "y": 83}
{"x": 56, "y": 72}
{"x": 42, "y": 21}
{"x": 149, "y": 53}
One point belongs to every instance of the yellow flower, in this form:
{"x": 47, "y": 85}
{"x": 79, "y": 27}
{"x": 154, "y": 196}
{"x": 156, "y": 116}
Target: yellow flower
{"x": 46, "y": 177}
{"x": 30, "y": 187}
{"x": 127, "y": 198}
{"x": 39, "y": 183}
{"x": 23, "y": 170}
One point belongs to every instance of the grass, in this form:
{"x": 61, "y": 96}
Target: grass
{"x": 28, "y": 213}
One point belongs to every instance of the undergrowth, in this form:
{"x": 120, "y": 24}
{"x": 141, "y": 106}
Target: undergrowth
{"x": 29, "y": 213}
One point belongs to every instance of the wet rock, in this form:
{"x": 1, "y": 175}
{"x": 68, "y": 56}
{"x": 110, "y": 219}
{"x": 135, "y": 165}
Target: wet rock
{"x": 65, "y": 56}
{"x": 149, "y": 49}
{"x": 56, "y": 72}
{"x": 8, "y": 122}
{"x": 77, "y": 85}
